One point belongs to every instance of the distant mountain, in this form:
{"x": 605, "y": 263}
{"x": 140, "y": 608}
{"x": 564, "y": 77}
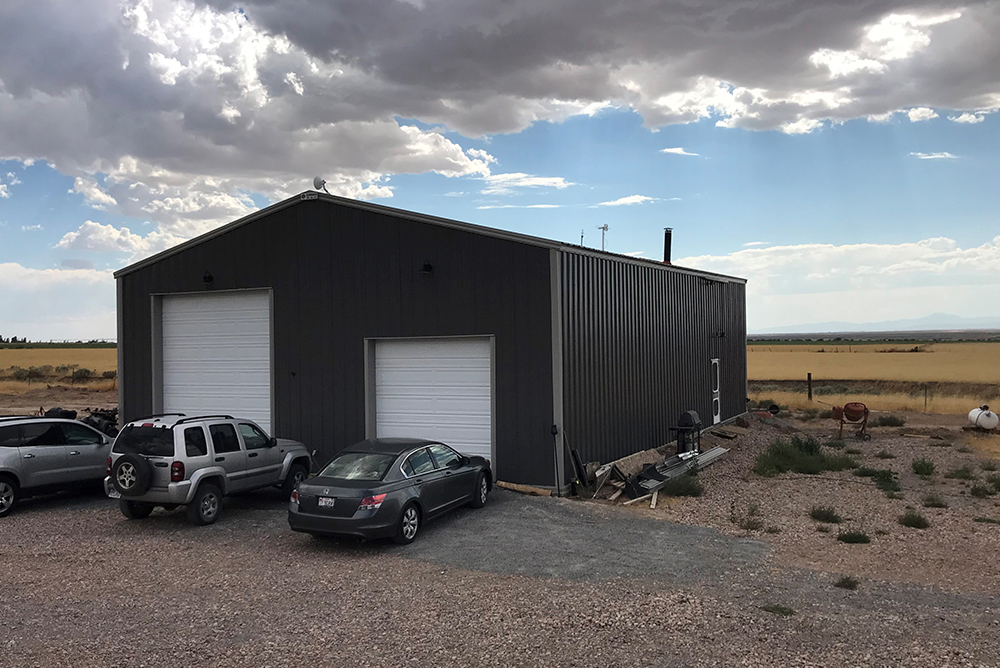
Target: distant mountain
{"x": 932, "y": 322}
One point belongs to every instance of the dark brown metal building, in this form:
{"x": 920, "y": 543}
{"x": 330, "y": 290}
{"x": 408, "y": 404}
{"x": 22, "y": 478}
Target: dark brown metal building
{"x": 330, "y": 320}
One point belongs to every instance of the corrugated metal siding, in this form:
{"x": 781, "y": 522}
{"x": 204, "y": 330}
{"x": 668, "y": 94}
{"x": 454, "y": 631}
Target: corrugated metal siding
{"x": 340, "y": 275}
{"x": 638, "y": 343}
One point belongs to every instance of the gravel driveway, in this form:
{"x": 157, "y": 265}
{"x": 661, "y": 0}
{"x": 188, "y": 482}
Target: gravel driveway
{"x": 526, "y": 582}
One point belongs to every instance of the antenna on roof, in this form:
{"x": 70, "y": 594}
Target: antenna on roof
{"x": 604, "y": 230}
{"x": 320, "y": 184}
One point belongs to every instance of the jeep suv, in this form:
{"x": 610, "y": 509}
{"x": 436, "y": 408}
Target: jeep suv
{"x": 174, "y": 460}
{"x": 43, "y": 454}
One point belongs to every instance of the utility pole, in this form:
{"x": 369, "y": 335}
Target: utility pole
{"x": 603, "y": 228}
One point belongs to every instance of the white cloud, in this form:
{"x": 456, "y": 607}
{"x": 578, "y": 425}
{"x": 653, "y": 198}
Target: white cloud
{"x": 4, "y": 191}
{"x": 519, "y": 206}
{"x": 751, "y": 244}
{"x": 677, "y": 151}
{"x": 631, "y": 199}
{"x": 91, "y": 236}
{"x": 31, "y": 228}
{"x": 944, "y": 155}
{"x": 921, "y": 114}
{"x": 823, "y": 282}
{"x": 967, "y": 118}
{"x": 44, "y": 304}
{"x": 503, "y": 184}
{"x": 92, "y": 193}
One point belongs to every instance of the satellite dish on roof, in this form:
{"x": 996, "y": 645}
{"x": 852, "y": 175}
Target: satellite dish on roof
{"x": 320, "y": 184}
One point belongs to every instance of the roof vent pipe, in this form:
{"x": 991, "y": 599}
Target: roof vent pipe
{"x": 667, "y": 232}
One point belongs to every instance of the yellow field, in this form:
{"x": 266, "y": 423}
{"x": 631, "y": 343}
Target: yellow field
{"x": 98, "y": 360}
{"x": 940, "y": 362}
{"x": 949, "y": 405}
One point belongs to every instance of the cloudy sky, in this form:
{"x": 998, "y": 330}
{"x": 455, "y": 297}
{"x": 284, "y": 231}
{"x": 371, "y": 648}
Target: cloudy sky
{"x": 844, "y": 157}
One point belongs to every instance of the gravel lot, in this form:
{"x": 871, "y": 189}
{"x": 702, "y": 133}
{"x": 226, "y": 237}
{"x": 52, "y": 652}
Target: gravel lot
{"x": 525, "y": 581}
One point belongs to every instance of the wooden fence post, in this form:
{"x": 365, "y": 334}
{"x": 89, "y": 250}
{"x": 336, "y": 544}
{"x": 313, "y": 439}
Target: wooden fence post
{"x": 809, "y": 381}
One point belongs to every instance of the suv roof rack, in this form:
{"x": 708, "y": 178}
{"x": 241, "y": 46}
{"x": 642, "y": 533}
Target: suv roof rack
{"x": 204, "y": 417}
{"x": 156, "y": 415}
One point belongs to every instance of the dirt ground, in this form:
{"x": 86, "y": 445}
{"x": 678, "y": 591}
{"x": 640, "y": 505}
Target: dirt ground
{"x": 71, "y": 398}
{"x": 957, "y": 552}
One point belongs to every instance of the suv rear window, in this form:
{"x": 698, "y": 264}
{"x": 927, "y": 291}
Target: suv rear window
{"x": 358, "y": 466}
{"x": 154, "y": 441}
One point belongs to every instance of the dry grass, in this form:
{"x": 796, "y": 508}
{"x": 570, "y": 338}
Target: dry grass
{"x": 97, "y": 359}
{"x": 940, "y": 362}
{"x": 882, "y": 402}
{"x": 21, "y": 387}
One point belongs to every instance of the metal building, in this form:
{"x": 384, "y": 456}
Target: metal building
{"x": 330, "y": 320}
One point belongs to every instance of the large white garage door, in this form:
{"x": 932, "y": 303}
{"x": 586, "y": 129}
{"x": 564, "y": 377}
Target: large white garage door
{"x": 217, "y": 355}
{"x": 437, "y": 389}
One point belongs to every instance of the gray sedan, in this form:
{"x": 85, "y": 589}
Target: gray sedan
{"x": 388, "y": 488}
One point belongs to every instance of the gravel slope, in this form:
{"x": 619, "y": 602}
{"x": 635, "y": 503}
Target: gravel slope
{"x": 82, "y": 586}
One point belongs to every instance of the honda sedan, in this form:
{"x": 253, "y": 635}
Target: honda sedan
{"x": 388, "y": 488}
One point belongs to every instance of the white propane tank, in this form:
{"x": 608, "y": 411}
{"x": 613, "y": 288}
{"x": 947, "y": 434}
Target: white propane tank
{"x": 984, "y": 418}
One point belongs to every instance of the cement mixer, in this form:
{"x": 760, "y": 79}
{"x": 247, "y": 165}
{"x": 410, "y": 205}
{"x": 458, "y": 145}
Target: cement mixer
{"x": 984, "y": 418}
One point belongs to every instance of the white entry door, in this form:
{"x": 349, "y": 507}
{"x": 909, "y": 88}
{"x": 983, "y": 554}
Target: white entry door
{"x": 216, "y": 351}
{"x": 716, "y": 401}
{"x": 438, "y": 389}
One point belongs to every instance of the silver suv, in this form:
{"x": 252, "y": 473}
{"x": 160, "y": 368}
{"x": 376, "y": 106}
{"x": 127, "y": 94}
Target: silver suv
{"x": 42, "y": 454}
{"x": 174, "y": 460}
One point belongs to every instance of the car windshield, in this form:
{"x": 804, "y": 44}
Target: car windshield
{"x": 358, "y": 466}
{"x": 154, "y": 441}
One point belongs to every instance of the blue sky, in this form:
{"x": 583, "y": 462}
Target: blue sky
{"x": 842, "y": 159}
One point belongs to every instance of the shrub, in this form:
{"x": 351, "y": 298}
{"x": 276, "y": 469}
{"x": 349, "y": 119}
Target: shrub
{"x": 994, "y": 480}
{"x": 981, "y": 491}
{"x": 801, "y": 455}
{"x": 824, "y": 514}
{"x": 853, "y": 451}
{"x": 911, "y": 518}
{"x": 985, "y": 520}
{"x": 837, "y": 444}
{"x": 775, "y": 609}
{"x": 884, "y": 479}
{"x": 825, "y": 415}
{"x": 883, "y": 454}
{"x": 889, "y": 421}
{"x": 963, "y": 473}
{"x": 924, "y": 467}
{"x": 934, "y": 501}
{"x": 847, "y": 582}
{"x": 894, "y": 495}
{"x": 965, "y": 449}
{"x": 80, "y": 374}
{"x": 684, "y": 485}
{"x": 19, "y": 373}
{"x": 854, "y": 536}
{"x": 988, "y": 466}
{"x": 109, "y": 374}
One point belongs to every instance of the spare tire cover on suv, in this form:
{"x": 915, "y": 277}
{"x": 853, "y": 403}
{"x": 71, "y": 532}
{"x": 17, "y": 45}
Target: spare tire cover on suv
{"x": 131, "y": 475}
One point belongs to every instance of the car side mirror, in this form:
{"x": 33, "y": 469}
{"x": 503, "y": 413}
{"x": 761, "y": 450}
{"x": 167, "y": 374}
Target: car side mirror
{"x": 272, "y": 442}
{"x": 460, "y": 462}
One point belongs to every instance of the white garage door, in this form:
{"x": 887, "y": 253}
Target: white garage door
{"x": 438, "y": 389}
{"x": 217, "y": 355}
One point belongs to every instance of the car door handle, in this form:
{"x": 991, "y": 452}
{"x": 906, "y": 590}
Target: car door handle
{"x": 253, "y": 454}
{"x": 74, "y": 452}
{"x": 220, "y": 459}
{"x": 29, "y": 456}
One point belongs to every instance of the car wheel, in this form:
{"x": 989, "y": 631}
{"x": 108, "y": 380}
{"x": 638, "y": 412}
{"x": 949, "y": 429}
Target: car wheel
{"x": 135, "y": 510}
{"x": 131, "y": 475}
{"x": 296, "y": 474}
{"x": 408, "y": 525}
{"x": 9, "y": 494}
{"x": 482, "y": 492}
{"x": 205, "y": 506}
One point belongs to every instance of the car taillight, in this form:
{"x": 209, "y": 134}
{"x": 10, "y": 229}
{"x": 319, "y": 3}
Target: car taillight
{"x": 177, "y": 472}
{"x": 109, "y": 466}
{"x": 372, "y": 502}
{"x": 295, "y": 496}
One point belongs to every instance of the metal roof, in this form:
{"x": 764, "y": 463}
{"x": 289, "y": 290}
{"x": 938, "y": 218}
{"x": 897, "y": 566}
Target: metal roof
{"x": 517, "y": 237}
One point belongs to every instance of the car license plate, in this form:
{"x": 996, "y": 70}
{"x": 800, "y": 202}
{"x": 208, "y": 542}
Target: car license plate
{"x": 326, "y": 502}
{"x": 114, "y": 494}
